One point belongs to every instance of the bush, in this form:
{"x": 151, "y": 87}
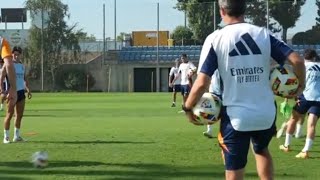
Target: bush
{"x": 76, "y": 80}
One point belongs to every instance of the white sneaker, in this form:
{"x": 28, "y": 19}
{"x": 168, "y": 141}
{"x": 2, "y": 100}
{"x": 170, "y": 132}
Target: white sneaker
{"x": 6, "y": 140}
{"x": 208, "y": 135}
{"x": 281, "y": 130}
{"x": 18, "y": 139}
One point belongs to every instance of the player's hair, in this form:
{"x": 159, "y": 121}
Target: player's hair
{"x": 309, "y": 54}
{"x": 184, "y": 55}
{"x": 233, "y": 8}
{"x": 17, "y": 49}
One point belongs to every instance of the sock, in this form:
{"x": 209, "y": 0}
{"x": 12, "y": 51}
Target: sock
{"x": 209, "y": 129}
{"x": 173, "y": 102}
{"x": 298, "y": 129}
{"x": 1, "y": 106}
{"x": 6, "y": 133}
{"x": 308, "y": 145}
{"x": 16, "y": 132}
{"x": 288, "y": 140}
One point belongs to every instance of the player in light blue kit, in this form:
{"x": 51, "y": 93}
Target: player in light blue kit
{"x": 308, "y": 102}
{"x": 21, "y": 85}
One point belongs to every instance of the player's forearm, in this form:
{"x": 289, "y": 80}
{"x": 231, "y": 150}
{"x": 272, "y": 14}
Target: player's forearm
{"x": 298, "y": 67}
{"x": 11, "y": 73}
{"x": 198, "y": 88}
{"x": 3, "y": 74}
{"x": 26, "y": 85}
{"x": 170, "y": 79}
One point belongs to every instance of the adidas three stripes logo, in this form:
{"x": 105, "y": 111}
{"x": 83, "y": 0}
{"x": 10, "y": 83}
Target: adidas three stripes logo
{"x": 314, "y": 68}
{"x": 242, "y": 49}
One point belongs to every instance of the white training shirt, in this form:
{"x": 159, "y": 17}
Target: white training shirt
{"x": 242, "y": 52}
{"x": 19, "y": 68}
{"x": 174, "y": 71}
{"x": 215, "y": 83}
{"x": 184, "y": 70}
{"x": 312, "y": 90}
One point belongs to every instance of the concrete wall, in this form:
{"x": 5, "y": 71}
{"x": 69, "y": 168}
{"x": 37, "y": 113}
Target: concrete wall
{"x": 112, "y": 76}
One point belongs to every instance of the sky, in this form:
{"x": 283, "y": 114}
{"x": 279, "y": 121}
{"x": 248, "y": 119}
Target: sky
{"x": 135, "y": 15}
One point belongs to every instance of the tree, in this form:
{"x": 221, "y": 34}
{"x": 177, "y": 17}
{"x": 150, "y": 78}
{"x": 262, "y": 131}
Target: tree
{"x": 182, "y": 36}
{"x": 83, "y": 36}
{"x": 318, "y": 12}
{"x": 120, "y": 37}
{"x": 200, "y": 15}
{"x": 256, "y": 13}
{"x": 58, "y": 37}
{"x": 286, "y": 13}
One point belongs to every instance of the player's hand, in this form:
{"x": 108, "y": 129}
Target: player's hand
{"x": 192, "y": 118}
{"x": 297, "y": 93}
{"x": 170, "y": 85}
{"x": 29, "y": 95}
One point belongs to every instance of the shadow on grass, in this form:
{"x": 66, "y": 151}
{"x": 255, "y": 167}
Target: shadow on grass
{"x": 13, "y": 178}
{"x": 39, "y": 115}
{"x": 131, "y": 171}
{"x": 92, "y": 142}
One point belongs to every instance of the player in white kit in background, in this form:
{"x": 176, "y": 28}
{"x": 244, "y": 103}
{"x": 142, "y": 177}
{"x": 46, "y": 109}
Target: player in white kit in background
{"x": 185, "y": 72}
{"x": 176, "y": 87}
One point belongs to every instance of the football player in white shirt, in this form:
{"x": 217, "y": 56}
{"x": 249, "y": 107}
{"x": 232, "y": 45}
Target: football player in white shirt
{"x": 242, "y": 52}
{"x": 185, "y": 72}
{"x": 308, "y": 102}
{"x": 176, "y": 87}
{"x": 192, "y": 69}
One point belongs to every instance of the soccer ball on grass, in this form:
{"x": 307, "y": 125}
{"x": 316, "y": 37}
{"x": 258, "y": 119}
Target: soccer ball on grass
{"x": 40, "y": 159}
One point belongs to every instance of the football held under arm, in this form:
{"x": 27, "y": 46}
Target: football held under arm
{"x": 280, "y": 52}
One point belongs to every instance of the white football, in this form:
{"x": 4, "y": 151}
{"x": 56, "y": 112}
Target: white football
{"x": 283, "y": 81}
{"x": 40, "y": 159}
{"x": 207, "y": 109}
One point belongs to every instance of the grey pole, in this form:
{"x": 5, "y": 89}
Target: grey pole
{"x": 104, "y": 34}
{"x": 115, "y": 24}
{"x": 42, "y": 51}
{"x": 214, "y": 15}
{"x": 158, "y": 69}
{"x": 267, "y": 14}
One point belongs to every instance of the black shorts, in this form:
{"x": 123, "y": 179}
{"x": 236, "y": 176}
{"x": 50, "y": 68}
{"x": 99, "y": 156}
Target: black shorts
{"x": 21, "y": 95}
{"x": 305, "y": 106}
{"x": 185, "y": 90}
{"x": 235, "y": 144}
{"x": 177, "y": 88}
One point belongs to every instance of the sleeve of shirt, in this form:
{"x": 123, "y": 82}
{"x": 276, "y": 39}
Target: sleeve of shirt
{"x": 208, "y": 59}
{"x": 171, "y": 72}
{"x": 192, "y": 67}
{"x": 5, "y": 49}
{"x": 279, "y": 50}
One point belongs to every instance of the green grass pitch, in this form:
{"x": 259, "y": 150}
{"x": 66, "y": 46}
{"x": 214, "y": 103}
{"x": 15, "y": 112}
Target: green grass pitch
{"x": 128, "y": 136}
